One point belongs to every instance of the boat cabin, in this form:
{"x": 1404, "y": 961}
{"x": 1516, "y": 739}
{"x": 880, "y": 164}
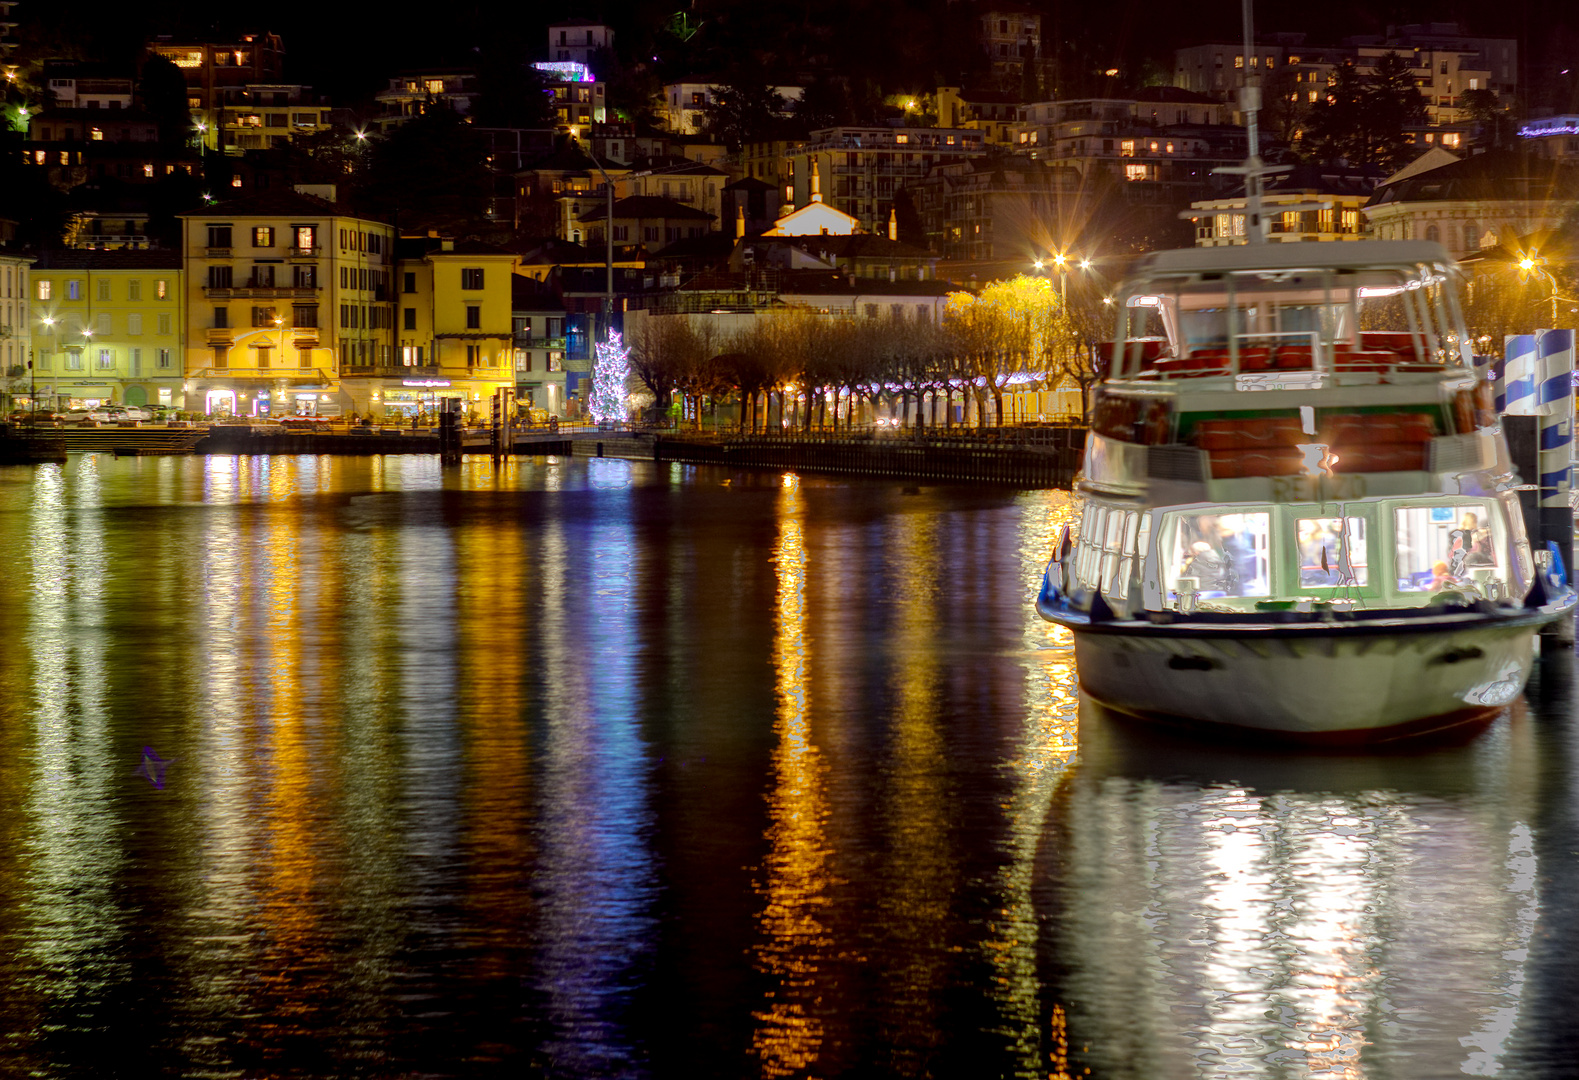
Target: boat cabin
{"x": 1383, "y": 553}
{"x": 1289, "y": 316}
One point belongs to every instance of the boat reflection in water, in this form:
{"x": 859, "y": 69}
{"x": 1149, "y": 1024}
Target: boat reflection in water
{"x": 1218, "y": 911}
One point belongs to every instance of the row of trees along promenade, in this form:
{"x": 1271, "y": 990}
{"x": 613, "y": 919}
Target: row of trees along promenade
{"x": 793, "y": 368}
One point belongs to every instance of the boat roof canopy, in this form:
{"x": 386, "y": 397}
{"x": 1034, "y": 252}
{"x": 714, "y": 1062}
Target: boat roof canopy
{"x": 1349, "y": 255}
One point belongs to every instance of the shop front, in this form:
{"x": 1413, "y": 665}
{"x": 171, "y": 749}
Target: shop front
{"x": 405, "y": 399}
{"x": 540, "y": 399}
{"x": 62, "y": 395}
{"x": 260, "y": 397}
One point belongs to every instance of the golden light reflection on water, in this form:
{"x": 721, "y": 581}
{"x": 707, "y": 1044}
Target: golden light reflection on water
{"x": 923, "y": 879}
{"x": 789, "y": 1031}
{"x": 1045, "y": 749}
{"x": 491, "y": 614}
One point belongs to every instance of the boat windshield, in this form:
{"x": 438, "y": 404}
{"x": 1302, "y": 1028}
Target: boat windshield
{"x": 1319, "y": 320}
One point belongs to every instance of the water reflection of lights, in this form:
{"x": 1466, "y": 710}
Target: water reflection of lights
{"x": 73, "y": 852}
{"x": 789, "y": 1031}
{"x": 920, "y": 876}
{"x": 1045, "y": 747}
{"x": 595, "y": 874}
{"x": 1218, "y": 930}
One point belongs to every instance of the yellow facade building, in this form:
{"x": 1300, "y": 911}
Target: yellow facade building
{"x": 107, "y": 326}
{"x": 455, "y": 330}
{"x": 288, "y": 304}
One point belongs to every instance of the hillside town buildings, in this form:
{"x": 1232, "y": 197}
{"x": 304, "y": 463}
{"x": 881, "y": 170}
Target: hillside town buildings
{"x": 199, "y": 270}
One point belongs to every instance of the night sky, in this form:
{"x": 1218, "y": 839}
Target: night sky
{"x": 348, "y": 49}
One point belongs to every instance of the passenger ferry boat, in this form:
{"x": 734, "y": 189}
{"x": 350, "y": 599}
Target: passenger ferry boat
{"x": 1292, "y": 524}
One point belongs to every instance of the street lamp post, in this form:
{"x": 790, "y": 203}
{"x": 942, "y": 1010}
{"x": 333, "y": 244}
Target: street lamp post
{"x": 608, "y": 240}
{"x": 32, "y": 389}
{"x": 1532, "y": 265}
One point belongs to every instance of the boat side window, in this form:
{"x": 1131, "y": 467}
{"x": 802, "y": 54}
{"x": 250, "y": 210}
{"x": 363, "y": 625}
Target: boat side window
{"x": 1092, "y": 534}
{"x": 1332, "y": 552}
{"x": 1224, "y": 555}
{"x": 1443, "y": 545}
{"x": 1118, "y": 561}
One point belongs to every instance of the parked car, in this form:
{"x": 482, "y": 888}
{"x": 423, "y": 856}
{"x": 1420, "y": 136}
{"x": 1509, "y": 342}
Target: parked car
{"x": 113, "y": 413}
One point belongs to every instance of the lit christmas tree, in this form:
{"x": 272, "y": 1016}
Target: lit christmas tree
{"x": 609, "y": 371}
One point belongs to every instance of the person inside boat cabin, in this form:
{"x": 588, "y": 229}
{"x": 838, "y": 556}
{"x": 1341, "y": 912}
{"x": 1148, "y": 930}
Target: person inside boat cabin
{"x": 1441, "y": 578}
{"x": 1469, "y": 545}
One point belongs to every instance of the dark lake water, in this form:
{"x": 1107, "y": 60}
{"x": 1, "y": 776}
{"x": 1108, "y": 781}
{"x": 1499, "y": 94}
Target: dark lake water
{"x": 357, "y": 767}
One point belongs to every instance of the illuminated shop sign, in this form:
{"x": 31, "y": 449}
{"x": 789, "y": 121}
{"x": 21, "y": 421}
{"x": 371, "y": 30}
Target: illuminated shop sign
{"x": 1552, "y": 125}
{"x": 424, "y": 382}
{"x": 566, "y": 70}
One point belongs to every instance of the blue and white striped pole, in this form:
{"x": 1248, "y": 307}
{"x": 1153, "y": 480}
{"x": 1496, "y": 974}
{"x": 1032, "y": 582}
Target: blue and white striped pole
{"x": 1555, "y": 350}
{"x": 1555, "y": 364}
{"x": 1516, "y": 393}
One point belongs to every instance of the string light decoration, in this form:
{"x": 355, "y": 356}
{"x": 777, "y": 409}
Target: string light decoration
{"x": 610, "y": 369}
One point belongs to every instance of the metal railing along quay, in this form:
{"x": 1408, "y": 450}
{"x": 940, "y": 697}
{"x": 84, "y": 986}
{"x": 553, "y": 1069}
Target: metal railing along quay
{"x": 1023, "y": 457}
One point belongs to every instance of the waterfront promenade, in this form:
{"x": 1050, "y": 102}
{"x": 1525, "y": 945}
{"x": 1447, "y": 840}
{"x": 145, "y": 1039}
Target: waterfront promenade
{"x": 1016, "y": 455}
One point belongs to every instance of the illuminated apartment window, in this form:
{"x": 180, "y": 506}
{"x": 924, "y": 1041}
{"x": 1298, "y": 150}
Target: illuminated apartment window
{"x": 434, "y": 86}
{"x": 43, "y": 290}
{"x": 96, "y": 134}
{"x": 235, "y": 181}
{"x": 1134, "y": 172}
{"x": 148, "y": 170}
{"x": 161, "y": 289}
{"x": 1313, "y": 97}
{"x": 1127, "y": 148}
{"x": 903, "y": 139}
{"x": 1239, "y": 61}
{"x": 1451, "y": 138}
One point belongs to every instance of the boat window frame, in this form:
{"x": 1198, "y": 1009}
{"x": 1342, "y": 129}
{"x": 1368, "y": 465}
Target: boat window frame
{"x": 1287, "y": 562}
{"x": 1502, "y": 541}
{"x": 1164, "y": 534}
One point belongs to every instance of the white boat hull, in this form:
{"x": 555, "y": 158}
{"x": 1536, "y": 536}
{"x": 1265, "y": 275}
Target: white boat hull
{"x": 1334, "y": 687}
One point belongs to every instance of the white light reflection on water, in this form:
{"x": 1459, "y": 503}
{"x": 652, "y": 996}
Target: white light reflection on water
{"x": 1328, "y": 923}
{"x": 595, "y": 874}
{"x": 73, "y": 843}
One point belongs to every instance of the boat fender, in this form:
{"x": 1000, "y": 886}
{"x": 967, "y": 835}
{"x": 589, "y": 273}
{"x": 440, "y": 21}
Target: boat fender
{"x": 1100, "y": 611}
{"x": 1060, "y": 563}
{"x": 1540, "y": 592}
{"x": 1556, "y": 569}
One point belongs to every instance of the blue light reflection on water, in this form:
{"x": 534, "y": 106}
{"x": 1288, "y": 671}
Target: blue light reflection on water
{"x": 605, "y": 768}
